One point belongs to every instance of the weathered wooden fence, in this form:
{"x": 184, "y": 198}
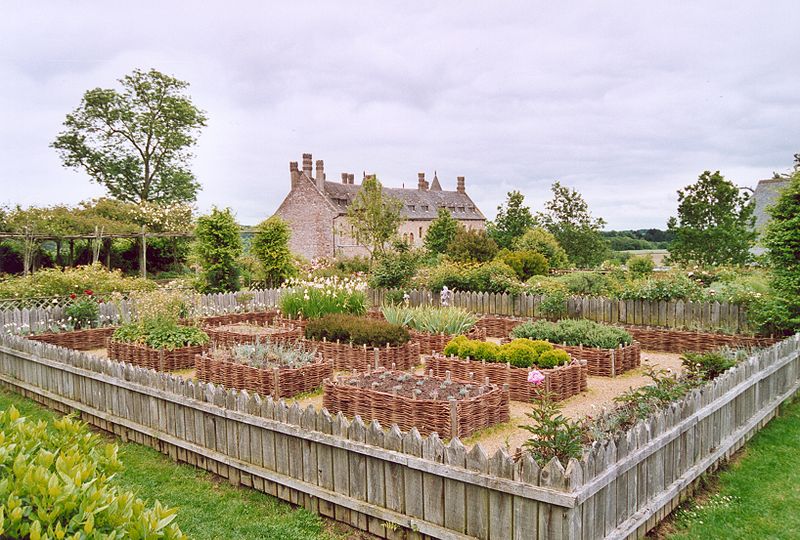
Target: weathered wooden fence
{"x": 400, "y": 485}
{"x": 730, "y": 318}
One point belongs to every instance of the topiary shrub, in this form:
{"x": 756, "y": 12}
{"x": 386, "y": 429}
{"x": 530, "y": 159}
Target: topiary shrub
{"x": 356, "y": 330}
{"x": 552, "y": 358}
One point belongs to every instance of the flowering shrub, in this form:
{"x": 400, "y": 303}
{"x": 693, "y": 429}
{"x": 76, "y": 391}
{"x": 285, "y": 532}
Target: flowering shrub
{"x": 57, "y": 282}
{"x": 322, "y": 296}
{"x": 495, "y": 276}
{"x": 356, "y": 330}
{"x": 574, "y": 332}
{"x": 521, "y": 353}
{"x": 56, "y": 483}
{"x": 83, "y": 310}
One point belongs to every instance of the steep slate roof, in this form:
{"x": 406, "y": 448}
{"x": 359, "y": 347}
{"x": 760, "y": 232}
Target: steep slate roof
{"x": 459, "y": 204}
{"x": 766, "y": 195}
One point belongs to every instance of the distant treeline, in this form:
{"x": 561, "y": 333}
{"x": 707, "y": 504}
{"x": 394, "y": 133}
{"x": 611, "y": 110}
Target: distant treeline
{"x": 638, "y": 239}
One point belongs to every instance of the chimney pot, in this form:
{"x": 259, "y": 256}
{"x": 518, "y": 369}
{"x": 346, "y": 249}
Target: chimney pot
{"x": 460, "y": 187}
{"x": 320, "y": 174}
{"x": 307, "y": 165}
{"x": 344, "y": 178}
{"x": 351, "y": 179}
{"x": 294, "y": 173}
{"x": 421, "y": 183}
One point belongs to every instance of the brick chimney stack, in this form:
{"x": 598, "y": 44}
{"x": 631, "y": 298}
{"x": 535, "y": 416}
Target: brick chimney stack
{"x": 320, "y": 175}
{"x": 307, "y": 165}
{"x": 294, "y": 173}
{"x": 351, "y": 179}
{"x": 460, "y": 185}
{"x": 422, "y": 184}
{"x": 344, "y": 178}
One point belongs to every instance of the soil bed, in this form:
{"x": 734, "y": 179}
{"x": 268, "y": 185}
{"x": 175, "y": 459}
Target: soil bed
{"x": 407, "y": 385}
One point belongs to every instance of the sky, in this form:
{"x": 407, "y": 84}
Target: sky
{"x": 624, "y": 101}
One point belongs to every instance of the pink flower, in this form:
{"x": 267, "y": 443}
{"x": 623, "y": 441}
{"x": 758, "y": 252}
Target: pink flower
{"x": 535, "y": 377}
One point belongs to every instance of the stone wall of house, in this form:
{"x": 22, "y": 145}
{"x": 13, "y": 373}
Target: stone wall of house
{"x": 310, "y": 216}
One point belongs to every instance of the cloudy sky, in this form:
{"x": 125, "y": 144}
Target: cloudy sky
{"x": 626, "y": 102}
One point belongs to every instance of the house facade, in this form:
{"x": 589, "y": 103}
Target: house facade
{"x": 316, "y": 210}
{"x": 766, "y": 194}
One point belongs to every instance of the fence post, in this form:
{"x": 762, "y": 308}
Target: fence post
{"x": 453, "y": 418}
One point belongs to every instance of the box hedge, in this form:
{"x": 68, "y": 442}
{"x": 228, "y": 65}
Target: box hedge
{"x": 356, "y": 330}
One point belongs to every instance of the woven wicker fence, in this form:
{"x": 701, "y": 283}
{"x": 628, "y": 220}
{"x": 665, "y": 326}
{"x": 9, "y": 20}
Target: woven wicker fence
{"x": 262, "y": 318}
{"x": 226, "y": 337}
{"x": 498, "y": 327}
{"x": 454, "y": 418}
{"x": 277, "y": 382}
{"x": 158, "y": 359}
{"x": 79, "y": 340}
{"x": 433, "y": 343}
{"x": 606, "y": 362}
{"x": 347, "y": 357}
{"x": 680, "y": 341}
{"x": 563, "y": 381}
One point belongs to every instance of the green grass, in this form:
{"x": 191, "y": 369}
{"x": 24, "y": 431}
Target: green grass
{"x": 757, "y": 496}
{"x": 207, "y": 507}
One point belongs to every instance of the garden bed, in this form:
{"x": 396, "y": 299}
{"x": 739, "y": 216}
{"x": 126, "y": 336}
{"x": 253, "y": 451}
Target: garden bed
{"x": 498, "y": 327}
{"x": 277, "y": 382}
{"x": 347, "y": 357}
{"x": 227, "y": 335}
{"x": 263, "y": 318}
{"x": 563, "y": 381}
{"x": 158, "y": 359}
{"x": 79, "y": 340}
{"x": 606, "y": 362}
{"x": 299, "y": 323}
{"x": 680, "y": 341}
{"x": 393, "y": 397}
{"x": 433, "y": 343}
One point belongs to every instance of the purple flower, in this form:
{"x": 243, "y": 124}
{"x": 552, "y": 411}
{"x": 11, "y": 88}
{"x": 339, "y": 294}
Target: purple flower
{"x": 536, "y": 377}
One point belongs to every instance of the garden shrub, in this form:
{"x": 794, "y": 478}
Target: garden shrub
{"x": 471, "y": 246}
{"x": 217, "y": 247}
{"x": 521, "y": 353}
{"x": 393, "y": 270}
{"x": 588, "y": 284}
{"x": 494, "y": 277}
{"x": 552, "y": 358}
{"x": 356, "y": 330}
{"x": 323, "y": 296}
{"x": 640, "y": 265}
{"x": 83, "y": 311}
{"x": 541, "y": 241}
{"x": 554, "y": 305}
{"x": 57, "y": 282}
{"x": 525, "y": 264}
{"x": 161, "y": 333}
{"x": 56, "y": 483}
{"x": 668, "y": 287}
{"x": 554, "y": 435}
{"x": 431, "y": 319}
{"x": 270, "y": 246}
{"x": 706, "y": 366}
{"x": 574, "y": 332}
{"x": 518, "y": 353}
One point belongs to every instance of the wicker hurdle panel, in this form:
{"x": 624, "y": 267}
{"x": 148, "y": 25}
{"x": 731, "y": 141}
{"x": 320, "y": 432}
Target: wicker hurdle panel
{"x": 427, "y": 415}
{"x": 347, "y": 357}
{"x": 563, "y": 381}
{"x": 158, "y": 359}
{"x": 263, "y": 318}
{"x": 79, "y": 340}
{"x": 300, "y": 323}
{"x": 433, "y": 343}
{"x": 606, "y": 362}
{"x": 498, "y": 327}
{"x": 680, "y": 341}
{"x": 230, "y": 338}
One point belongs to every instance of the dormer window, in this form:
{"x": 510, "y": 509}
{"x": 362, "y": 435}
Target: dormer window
{"x": 424, "y": 207}
{"x": 412, "y": 208}
{"x": 460, "y": 208}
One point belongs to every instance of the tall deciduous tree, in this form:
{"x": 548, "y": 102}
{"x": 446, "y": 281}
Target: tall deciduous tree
{"x": 136, "y": 141}
{"x": 271, "y": 247}
{"x": 513, "y": 219}
{"x": 567, "y": 217}
{"x": 374, "y": 216}
{"x": 441, "y": 231}
{"x": 217, "y": 247}
{"x": 714, "y": 224}
{"x": 539, "y": 240}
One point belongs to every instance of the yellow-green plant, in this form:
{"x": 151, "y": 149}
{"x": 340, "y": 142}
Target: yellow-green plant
{"x": 430, "y": 319}
{"x": 56, "y": 483}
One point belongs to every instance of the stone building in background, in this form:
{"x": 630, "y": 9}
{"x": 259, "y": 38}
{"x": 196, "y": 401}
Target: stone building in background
{"x": 765, "y": 195}
{"x": 316, "y": 210}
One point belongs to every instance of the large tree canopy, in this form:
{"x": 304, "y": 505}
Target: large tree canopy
{"x": 714, "y": 224}
{"x": 136, "y": 141}
{"x": 513, "y": 219}
{"x": 374, "y": 216}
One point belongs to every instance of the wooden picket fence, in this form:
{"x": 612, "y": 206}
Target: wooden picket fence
{"x": 700, "y": 316}
{"x": 400, "y": 485}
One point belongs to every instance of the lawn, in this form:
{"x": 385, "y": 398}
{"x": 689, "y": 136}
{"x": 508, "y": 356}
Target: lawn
{"x": 207, "y": 507}
{"x": 756, "y": 496}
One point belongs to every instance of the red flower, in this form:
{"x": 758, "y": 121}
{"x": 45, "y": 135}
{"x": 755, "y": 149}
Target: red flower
{"x": 88, "y": 292}
{"x": 73, "y": 296}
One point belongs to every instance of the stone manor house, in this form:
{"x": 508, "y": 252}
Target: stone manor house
{"x": 315, "y": 209}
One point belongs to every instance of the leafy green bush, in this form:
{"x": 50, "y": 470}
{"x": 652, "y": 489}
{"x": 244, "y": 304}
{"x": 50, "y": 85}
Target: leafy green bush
{"x": 495, "y": 276}
{"x": 706, "y": 366}
{"x": 83, "y": 311}
{"x": 323, "y": 296}
{"x": 554, "y": 305}
{"x": 356, "y": 330}
{"x": 161, "y": 334}
{"x": 641, "y": 265}
{"x": 521, "y": 353}
{"x": 56, "y": 483}
{"x": 471, "y": 246}
{"x": 574, "y": 332}
{"x": 56, "y": 282}
{"x": 525, "y": 264}
{"x": 393, "y": 270}
{"x": 668, "y": 287}
{"x": 431, "y": 319}
{"x": 589, "y": 284}
{"x": 270, "y": 246}
{"x": 541, "y": 241}
{"x": 218, "y": 247}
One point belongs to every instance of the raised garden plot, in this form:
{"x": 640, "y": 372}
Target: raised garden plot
{"x": 431, "y": 404}
{"x": 563, "y": 381}
{"x": 277, "y": 381}
{"x": 228, "y": 335}
{"x": 79, "y": 340}
{"x": 253, "y": 317}
{"x": 158, "y": 359}
{"x": 347, "y": 357}
{"x": 433, "y": 343}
